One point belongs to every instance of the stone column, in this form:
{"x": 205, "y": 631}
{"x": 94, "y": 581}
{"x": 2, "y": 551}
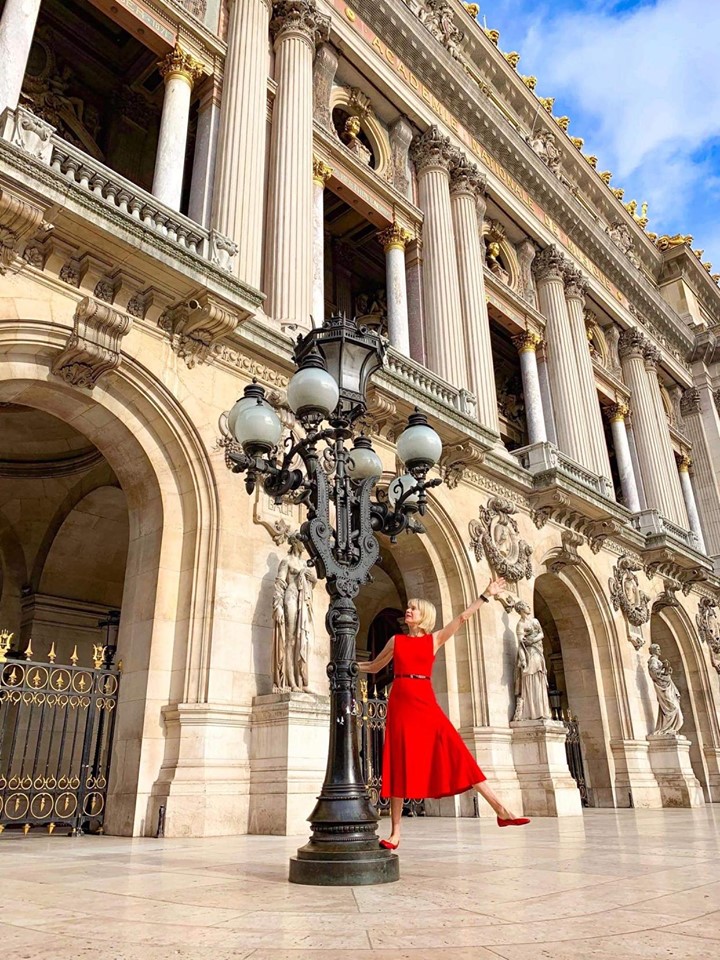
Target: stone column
{"x": 414, "y": 276}
{"x": 649, "y": 439}
{"x": 549, "y": 266}
{"x": 688, "y": 493}
{"x": 239, "y": 192}
{"x": 589, "y": 407}
{"x": 393, "y": 241}
{"x": 527, "y": 343}
{"x": 706, "y": 482}
{"x": 180, "y": 72}
{"x": 343, "y": 257}
{"x": 296, "y": 28}
{"x": 433, "y": 155}
{"x": 204, "y": 159}
{"x": 17, "y": 28}
{"x": 467, "y": 199}
{"x": 545, "y": 394}
{"x": 321, "y": 175}
{"x": 616, "y": 415}
{"x": 674, "y": 494}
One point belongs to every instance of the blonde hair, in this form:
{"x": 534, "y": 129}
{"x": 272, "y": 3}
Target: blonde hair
{"x": 428, "y": 613}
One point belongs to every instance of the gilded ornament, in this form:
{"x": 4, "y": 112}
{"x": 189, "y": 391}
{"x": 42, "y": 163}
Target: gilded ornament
{"x": 321, "y": 171}
{"x": 591, "y": 159}
{"x": 5, "y": 641}
{"x": 547, "y": 103}
{"x": 631, "y": 207}
{"x": 178, "y": 63}
{"x": 665, "y": 242}
{"x": 562, "y": 122}
{"x": 492, "y": 35}
{"x": 473, "y": 9}
{"x": 530, "y": 82}
{"x": 606, "y": 177}
{"x": 617, "y": 412}
{"x": 618, "y": 191}
{"x": 527, "y": 342}
{"x": 698, "y": 253}
{"x": 394, "y": 237}
{"x": 707, "y": 265}
{"x": 513, "y": 59}
{"x": 684, "y": 463}
{"x": 577, "y": 142}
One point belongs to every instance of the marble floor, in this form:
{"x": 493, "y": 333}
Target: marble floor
{"x": 612, "y": 884}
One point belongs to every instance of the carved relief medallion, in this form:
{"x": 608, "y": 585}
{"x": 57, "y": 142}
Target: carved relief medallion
{"x": 496, "y": 536}
{"x": 626, "y": 595}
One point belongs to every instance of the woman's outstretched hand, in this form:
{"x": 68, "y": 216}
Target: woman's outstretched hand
{"x": 495, "y": 587}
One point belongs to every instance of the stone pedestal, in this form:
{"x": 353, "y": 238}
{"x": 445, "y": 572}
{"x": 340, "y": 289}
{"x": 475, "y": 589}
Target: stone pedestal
{"x": 670, "y": 761}
{"x": 635, "y": 783}
{"x": 288, "y": 756}
{"x": 548, "y": 790}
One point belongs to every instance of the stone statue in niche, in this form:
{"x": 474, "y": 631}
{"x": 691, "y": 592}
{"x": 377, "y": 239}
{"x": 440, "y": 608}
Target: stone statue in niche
{"x": 670, "y": 717}
{"x": 293, "y": 615}
{"x": 531, "y": 683}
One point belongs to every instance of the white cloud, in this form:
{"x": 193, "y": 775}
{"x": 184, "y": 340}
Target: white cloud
{"x": 644, "y": 88}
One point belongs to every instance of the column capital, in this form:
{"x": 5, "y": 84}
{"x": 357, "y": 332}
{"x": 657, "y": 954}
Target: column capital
{"x": 632, "y": 344}
{"x": 617, "y": 412}
{"x": 432, "y": 150}
{"x": 465, "y": 178}
{"x": 179, "y": 63}
{"x": 690, "y": 401}
{"x": 527, "y": 342}
{"x": 549, "y": 264}
{"x": 575, "y": 282}
{"x": 651, "y": 356}
{"x": 321, "y": 171}
{"x": 299, "y": 18}
{"x": 684, "y": 463}
{"x": 394, "y": 237}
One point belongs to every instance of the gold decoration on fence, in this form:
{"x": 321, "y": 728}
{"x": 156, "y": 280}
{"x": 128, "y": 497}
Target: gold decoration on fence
{"x": 74, "y": 658}
{"x": 5, "y": 642}
{"x": 98, "y": 655}
{"x": 29, "y": 650}
{"x": 52, "y": 655}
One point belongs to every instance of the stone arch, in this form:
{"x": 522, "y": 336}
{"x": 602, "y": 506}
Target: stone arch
{"x": 593, "y": 670}
{"x": 342, "y": 97}
{"x": 164, "y": 470}
{"x": 672, "y": 629}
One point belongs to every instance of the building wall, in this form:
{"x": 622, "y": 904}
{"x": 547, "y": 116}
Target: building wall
{"x": 139, "y": 328}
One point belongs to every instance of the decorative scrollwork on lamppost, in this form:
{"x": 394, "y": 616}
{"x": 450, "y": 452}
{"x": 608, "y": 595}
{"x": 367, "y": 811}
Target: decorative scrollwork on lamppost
{"x": 334, "y": 481}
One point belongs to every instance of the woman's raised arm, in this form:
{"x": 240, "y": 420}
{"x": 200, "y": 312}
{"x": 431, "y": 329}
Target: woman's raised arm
{"x": 442, "y": 635}
{"x": 381, "y": 660}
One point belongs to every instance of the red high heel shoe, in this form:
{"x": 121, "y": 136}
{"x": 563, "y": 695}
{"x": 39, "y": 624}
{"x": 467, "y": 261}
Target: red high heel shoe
{"x": 386, "y": 845}
{"x": 517, "y": 822}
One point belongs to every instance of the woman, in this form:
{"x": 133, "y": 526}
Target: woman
{"x": 424, "y": 755}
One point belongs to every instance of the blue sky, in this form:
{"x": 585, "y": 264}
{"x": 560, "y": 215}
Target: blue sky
{"x": 640, "y": 80}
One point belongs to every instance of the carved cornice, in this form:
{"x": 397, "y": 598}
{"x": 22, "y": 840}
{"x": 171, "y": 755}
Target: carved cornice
{"x": 93, "y": 347}
{"x": 197, "y": 324}
{"x": 20, "y": 220}
{"x": 549, "y": 264}
{"x": 690, "y": 402}
{"x": 651, "y": 355}
{"x": 299, "y": 17}
{"x": 432, "y": 150}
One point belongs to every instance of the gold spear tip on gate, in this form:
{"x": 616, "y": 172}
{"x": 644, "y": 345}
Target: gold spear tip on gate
{"x": 74, "y": 658}
{"x": 51, "y": 828}
{"x": 98, "y": 651}
{"x": 52, "y": 655}
{"x": 26, "y": 828}
{"x": 29, "y": 650}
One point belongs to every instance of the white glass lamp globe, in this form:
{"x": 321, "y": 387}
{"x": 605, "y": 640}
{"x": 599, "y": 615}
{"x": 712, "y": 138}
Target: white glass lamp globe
{"x": 242, "y": 404}
{"x": 257, "y": 428}
{"x": 363, "y": 462}
{"x": 419, "y": 444}
{"x": 400, "y": 485}
{"x": 312, "y": 390}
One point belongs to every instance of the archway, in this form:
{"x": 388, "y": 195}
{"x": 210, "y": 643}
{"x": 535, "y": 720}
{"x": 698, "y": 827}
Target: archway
{"x": 578, "y": 653}
{"x": 163, "y": 470}
{"x": 674, "y": 635}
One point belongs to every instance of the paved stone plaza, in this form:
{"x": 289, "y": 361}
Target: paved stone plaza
{"x": 615, "y": 884}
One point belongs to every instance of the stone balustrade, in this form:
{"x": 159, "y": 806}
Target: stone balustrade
{"x": 539, "y": 458}
{"x": 421, "y": 379}
{"x": 37, "y": 138}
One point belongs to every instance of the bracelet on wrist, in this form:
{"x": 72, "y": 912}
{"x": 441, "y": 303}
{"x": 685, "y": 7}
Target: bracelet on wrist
{"x": 484, "y": 598}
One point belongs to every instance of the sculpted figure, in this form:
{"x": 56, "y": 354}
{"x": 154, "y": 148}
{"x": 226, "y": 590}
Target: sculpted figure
{"x": 293, "y": 616}
{"x": 670, "y": 717}
{"x": 531, "y": 683}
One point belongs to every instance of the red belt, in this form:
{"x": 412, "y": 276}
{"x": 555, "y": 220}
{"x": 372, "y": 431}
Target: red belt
{"x": 410, "y": 676}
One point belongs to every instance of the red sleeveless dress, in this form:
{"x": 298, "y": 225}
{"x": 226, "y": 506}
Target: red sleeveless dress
{"x": 423, "y": 754}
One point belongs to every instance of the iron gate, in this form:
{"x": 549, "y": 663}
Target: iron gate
{"x": 56, "y": 733}
{"x": 573, "y": 751}
{"x": 371, "y": 714}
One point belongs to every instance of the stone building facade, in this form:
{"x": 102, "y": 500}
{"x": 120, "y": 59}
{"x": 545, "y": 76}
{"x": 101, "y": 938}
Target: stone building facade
{"x": 184, "y": 184}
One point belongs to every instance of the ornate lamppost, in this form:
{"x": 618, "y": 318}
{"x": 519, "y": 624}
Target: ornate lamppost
{"x": 334, "y": 481}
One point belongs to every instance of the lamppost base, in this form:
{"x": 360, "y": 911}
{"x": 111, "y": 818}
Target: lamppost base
{"x": 343, "y": 868}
